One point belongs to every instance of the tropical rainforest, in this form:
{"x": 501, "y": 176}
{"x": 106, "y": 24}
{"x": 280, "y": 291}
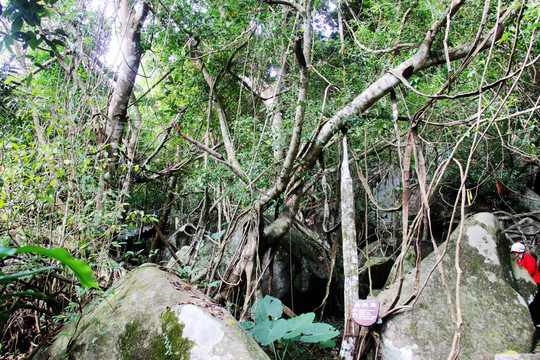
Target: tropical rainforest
{"x": 123, "y": 118}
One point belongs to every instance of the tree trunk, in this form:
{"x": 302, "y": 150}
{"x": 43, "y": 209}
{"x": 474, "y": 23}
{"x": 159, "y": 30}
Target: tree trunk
{"x": 350, "y": 257}
{"x": 132, "y": 22}
{"x": 222, "y": 116}
{"x": 127, "y": 185}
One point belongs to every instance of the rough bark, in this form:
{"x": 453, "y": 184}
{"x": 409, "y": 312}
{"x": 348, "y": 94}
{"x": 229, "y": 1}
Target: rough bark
{"x": 127, "y": 184}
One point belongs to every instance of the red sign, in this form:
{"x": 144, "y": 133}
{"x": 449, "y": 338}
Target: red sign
{"x": 366, "y": 312}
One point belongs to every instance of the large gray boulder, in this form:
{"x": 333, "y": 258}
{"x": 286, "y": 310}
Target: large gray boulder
{"x": 495, "y": 318}
{"x": 154, "y": 314}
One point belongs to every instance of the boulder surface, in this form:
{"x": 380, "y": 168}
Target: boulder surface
{"x": 494, "y": 317}
{"x": 154, "y": 314}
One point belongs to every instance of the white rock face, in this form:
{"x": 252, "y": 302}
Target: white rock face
{"x": 479, "y": 239}
{"x": 201, "y": 328}
{"x": 495, "y": 319}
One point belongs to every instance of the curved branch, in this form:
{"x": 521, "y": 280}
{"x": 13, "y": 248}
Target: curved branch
{"x": 291, "y": 4}
{"x": 384, "y": 85}
{"x": 423, "y": 59}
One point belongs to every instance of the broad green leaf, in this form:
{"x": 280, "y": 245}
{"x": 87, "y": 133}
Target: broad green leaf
{"x": 247, "y": 324}
{"x": 266, "y": 307}
{"x": 326, "y": 344}
{"x": 318, "y": 332}
{"x": 268, "y": 331}
{"x": 16, "y": 25}
{"x": 296, "y": 325}
{"x": 32, "y": 41}
{"x": 8, "y": 41}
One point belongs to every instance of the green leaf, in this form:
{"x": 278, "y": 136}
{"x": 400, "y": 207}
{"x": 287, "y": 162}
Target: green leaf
{"x": 318, "y": 332}
{"x": 326, "y": 344}
{"x": 61, "y": 31}
{"x": 266, "y": 307}
{"x": 29, "y": 80}
{"x": 16, "y": 25}
{"x": 7, "y": 251}
{"x": 8, "y": 40}
{"x": 504, "y": 37}
{"x": 80, "y": 268}
{"x": 26, "y": 293}
{"x": 32, "y": 41}
{"x": 268, "y": 331}
{"x": 11, "y": 277}
{"x": 247, "y": 324}
{"x": 296, "y": 325}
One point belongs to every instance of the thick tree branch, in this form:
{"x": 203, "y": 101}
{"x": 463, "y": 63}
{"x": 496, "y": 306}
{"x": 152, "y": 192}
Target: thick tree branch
{"x": 291, "y": 4}
{"x": 423, "y": 59}
{"x": 382, "y": 87}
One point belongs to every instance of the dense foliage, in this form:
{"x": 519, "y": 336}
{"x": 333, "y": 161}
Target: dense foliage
{"x": 234, "y": 116}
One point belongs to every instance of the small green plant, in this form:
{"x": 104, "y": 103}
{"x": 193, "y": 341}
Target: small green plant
{"x": 268, "y": 326}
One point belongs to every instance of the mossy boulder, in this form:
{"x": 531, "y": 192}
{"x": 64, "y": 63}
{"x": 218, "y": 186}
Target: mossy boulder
{"x": 153, "y": 314}
{"x": 495, "y": 318}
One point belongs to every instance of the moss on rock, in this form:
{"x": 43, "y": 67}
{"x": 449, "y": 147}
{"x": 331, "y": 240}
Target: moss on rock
{"x": 138, "y": 343}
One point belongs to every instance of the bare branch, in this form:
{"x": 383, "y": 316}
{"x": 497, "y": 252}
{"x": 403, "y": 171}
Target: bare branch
{"x": 216, "y": 155}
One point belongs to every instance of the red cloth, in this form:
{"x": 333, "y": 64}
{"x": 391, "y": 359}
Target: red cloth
{"x": 529, "y": 263}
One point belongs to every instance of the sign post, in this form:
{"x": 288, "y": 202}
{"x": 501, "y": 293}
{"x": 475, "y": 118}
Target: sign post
{"x": 366, "y": 312}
